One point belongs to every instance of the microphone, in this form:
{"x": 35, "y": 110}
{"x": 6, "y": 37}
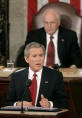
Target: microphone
{"x": 28, "y": 83}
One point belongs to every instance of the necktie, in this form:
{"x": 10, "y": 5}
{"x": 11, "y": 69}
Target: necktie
{"x": 50, "y": 53}
{"x": 33, "y": 89}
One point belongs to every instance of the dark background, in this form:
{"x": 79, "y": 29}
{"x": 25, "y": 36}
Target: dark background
{"x": 4, "y": 30}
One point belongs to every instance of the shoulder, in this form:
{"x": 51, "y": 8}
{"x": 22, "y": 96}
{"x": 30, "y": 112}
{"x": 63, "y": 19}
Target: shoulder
{"x": 36, "y": 31}
{"x": 20, "y": 70}
{"x": 19, "y": 73}
{"x": 53, "y": 76}
{"x": 52, "y": 72}
{"x": 66, "y": 30}
{"x": 35, "y": 35}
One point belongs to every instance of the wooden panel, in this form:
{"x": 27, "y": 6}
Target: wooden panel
{"x": 18, "y": 114}
{"x": 4, "y": 82}
{"x": 4, "y": 31}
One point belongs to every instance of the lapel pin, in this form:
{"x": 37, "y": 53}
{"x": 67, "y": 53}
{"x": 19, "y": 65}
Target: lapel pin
{"x": 46, "y": 82}
{"x": 62, "y": 40}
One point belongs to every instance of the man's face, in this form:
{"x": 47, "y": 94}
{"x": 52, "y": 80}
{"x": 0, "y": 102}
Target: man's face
{"x": 51, "y": 22}
{"x": 35, "y": 59}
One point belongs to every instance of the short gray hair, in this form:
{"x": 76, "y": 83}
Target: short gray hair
{"x": 32, "y": 45}
{"x": 55, "y": 11}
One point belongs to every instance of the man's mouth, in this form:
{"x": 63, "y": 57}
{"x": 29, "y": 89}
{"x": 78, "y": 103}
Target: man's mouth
{"x": 38, "y": 64}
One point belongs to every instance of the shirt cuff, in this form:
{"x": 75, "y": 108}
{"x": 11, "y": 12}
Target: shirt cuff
{"x": 51, "y": 104}
{"x": 15, "y": 104}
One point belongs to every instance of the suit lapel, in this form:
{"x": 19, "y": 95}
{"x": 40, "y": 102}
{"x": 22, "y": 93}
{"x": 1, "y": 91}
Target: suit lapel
{"x": 61, "y": 44}
{"x": 44, "y": 38}
{"x": 27, "y": 94}
{"x": 43, "y": 85}
{"x": 25, "y": 74}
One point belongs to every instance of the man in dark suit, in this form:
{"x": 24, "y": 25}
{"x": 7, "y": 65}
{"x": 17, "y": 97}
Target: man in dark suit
{"x": 50, "y": 85}
{"x": 67, "y": 51}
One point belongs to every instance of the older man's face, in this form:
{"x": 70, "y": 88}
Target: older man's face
{"x": 35, "y": 59}
{"x": 51, "y": 22}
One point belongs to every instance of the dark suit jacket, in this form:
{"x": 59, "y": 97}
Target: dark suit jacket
{"x": 51, "y": 86}
{"x": 68, "y": 49}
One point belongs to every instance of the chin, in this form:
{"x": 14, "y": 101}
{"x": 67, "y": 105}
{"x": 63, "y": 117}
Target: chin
{"x": 38, "y": 68}
{"x": 50, "y": 33}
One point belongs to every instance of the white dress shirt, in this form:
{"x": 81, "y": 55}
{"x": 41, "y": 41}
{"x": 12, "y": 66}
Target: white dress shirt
{"x": 55, "y": 41}
{"x": 38, "y": 78}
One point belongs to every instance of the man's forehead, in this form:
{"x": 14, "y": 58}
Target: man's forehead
{"x": 49, "y": 12}
{"x": 34, "y": 49}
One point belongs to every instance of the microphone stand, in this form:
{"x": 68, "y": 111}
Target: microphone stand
{"x": 28, "y": 83}
{"x": 22, "y": 109}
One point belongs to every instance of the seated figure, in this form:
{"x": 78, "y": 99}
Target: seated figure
{"x": 49, "y": 21}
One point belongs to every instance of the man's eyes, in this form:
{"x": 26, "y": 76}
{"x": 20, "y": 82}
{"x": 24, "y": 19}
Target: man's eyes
{"x": 38, "y": 55}
{"x": 33, "y": 55}
{"x": 49, "y": 22}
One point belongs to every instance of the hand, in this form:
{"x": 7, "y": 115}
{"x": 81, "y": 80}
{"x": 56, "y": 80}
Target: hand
{"x": 25, "y": 103}
{"x": 73, "y": 66}
{"x": 50, "y": 67}
{"x": 44, "y": 102}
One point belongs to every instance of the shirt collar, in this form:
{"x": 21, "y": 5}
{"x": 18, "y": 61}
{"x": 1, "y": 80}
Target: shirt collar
{"x": 30, "y": 75}
{"x": 54, "y": 35}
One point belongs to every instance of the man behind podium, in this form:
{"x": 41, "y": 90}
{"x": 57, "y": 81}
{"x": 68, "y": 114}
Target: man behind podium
{"x": 50, "y": 85}
{"x": 66, "y": 48}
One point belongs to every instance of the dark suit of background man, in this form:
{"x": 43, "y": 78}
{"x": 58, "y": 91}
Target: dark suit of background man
{"x": 51, "y": 89}
{"x": 65, "y": 40}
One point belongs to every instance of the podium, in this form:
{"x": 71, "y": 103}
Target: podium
{"x": 29, "y": 114}
{"x": 73, "y": 83}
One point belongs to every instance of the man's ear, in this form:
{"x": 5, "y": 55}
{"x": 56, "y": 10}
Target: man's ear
{"x": 26, "y": 59}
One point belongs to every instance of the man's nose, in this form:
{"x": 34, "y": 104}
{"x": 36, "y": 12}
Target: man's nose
{"x": 49, "y": 24}
{"x": 38, "y": 58}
